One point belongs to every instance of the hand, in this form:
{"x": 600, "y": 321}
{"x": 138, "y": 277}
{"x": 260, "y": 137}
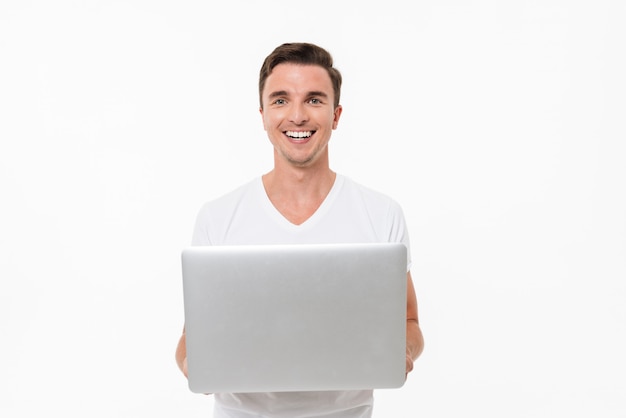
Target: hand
{"x": 184, "y": 368}
{"x": 409, "y": 363}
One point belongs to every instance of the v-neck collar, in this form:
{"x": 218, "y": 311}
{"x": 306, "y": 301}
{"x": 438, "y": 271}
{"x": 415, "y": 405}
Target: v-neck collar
{"x": 278, "y": 217}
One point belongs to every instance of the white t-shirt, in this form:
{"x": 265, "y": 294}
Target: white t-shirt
{"x": 350, "y": 213}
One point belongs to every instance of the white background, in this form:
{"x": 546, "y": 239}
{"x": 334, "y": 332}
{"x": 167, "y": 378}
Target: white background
{"x": 498, "y": 126}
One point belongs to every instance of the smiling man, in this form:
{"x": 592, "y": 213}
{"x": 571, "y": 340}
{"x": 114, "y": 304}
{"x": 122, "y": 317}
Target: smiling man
{"x": 302, "y": 201}
{"x": 299, "y": 114}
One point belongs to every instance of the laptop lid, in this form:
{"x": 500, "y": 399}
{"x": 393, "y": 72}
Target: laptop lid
{"x": 275, "y": 318}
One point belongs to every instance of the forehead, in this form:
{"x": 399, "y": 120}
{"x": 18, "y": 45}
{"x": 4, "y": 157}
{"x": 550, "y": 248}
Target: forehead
{"x": 298, "y": 78}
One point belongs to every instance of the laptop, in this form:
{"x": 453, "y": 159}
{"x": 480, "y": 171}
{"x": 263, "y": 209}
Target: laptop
{"x": 281, "y": 318}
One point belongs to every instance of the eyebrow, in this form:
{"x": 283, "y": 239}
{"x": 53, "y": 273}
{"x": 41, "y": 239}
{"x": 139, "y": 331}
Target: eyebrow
{"x": 278, "y": 94}
{"x": 281, "y": 93}
{"x": 317, "y": 93}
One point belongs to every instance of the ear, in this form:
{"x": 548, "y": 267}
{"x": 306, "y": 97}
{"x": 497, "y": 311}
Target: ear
{"x": 336, "y": 116}
{"x": 262, "y": 118}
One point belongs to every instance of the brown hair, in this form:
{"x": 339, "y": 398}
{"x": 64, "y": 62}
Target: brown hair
{"x": 300, "y": 53}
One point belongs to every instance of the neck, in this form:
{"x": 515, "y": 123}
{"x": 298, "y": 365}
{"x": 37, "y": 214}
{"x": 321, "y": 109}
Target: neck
{"x": 298, "y": 193}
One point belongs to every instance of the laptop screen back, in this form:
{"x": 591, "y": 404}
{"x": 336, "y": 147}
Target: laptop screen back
{"x": 295, "y": 317}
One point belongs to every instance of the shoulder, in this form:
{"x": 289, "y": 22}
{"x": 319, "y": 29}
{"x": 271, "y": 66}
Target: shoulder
{"x": 222, "y": 209}
{"x": 215, "y": 217}
{"x": 376, "y": 210}
{"x": 369, "y": 196}
{"x": 231, "y": 200}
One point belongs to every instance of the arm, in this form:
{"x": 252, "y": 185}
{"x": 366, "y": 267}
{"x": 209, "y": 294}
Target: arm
{"x": 181, "y": 354}
{"x": 414, "y": 338}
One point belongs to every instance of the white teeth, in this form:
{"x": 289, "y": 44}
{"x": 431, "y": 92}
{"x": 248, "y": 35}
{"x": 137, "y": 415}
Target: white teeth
{"x": 300, "y": 134}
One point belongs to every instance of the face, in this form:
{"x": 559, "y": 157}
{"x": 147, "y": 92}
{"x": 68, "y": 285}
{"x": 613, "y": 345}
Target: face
{"x": 298, "y": 113}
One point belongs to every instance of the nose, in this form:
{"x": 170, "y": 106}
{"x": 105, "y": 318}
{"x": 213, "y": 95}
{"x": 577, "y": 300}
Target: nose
{"x": 298, "y": 113}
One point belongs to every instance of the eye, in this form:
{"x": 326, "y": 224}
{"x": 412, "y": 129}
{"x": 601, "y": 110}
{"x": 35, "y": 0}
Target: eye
{"x": 315, "y": 101}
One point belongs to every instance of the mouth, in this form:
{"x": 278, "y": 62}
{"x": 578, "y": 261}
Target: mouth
{"x": 299, "y": 135}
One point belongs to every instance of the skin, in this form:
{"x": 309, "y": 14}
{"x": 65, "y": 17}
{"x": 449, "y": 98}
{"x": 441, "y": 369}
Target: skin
{"x": 298, "y": 100}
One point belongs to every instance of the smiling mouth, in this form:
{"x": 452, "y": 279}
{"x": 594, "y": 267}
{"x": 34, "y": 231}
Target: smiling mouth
{"x": 299, "y": 135}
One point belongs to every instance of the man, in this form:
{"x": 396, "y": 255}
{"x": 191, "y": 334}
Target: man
{"x": 301, "y": 200}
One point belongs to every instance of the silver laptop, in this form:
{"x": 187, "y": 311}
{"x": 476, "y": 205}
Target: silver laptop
{"x": 279, "y": 318}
